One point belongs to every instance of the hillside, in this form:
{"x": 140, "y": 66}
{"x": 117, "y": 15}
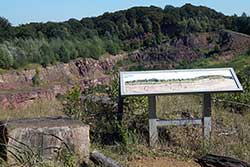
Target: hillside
{"x": 19, "y": 89}
{"x": 127, "y": 30}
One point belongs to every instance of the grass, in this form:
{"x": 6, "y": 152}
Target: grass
{"x": 132, "y": 152}
{"x": 26, "y": 156}
{"x": 2, "y": 71}
{"x": 38, "y": 108}
{"x": 238, "y": 62}
{"x": 230, "y": 134}
{"x": 31, "y": 66}
{"x": 230, "y": 130}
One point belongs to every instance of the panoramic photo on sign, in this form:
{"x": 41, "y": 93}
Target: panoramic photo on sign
{"x": 179, "y": 81}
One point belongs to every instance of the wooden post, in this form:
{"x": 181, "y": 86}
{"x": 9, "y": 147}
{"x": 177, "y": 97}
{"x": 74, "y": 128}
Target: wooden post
{"x": 120, "y": 109}
{"x": 153, "y": 133}
{"x": 102, "y": 160}
{"x": 120, "y": 105}
{"x": 119, "y": 114}
{"x": 207, "y": 126}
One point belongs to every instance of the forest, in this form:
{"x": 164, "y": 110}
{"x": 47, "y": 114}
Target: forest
{"x": 110, "y": 33}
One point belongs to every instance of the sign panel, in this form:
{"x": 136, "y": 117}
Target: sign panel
{"x": 179, "y": 81}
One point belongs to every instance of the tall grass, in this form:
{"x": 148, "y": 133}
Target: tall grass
{"x": 38, "y": 108}
{"x": 230, "y": 129}
{"x": 21, "y": 154}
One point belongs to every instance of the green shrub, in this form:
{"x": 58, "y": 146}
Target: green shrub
{"x": 36, "y": 81}
{"x": 73, "y": 105}
{"x": 98, "y": 108}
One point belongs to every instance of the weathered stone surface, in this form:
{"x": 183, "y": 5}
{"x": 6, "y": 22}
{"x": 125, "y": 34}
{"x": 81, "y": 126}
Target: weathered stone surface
{"x": 47, "y": 138}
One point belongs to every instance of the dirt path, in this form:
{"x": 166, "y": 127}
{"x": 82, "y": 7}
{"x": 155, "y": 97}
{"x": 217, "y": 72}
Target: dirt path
{"x": 161, "y": 162}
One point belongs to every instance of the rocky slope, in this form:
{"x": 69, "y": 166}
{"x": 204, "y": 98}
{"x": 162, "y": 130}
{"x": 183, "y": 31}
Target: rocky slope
{"x": 225, "y": 44}
{"x": 17, "y": 89}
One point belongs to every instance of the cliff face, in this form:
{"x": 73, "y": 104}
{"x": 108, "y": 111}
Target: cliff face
{"x": 17, "y": 89}
{"x": 75, "y": 70}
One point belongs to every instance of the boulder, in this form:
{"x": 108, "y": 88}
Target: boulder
{"x": 29, "y": 140}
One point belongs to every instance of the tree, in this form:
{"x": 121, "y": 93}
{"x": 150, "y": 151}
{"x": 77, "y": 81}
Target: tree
{"x": 47, "y": 55}
{"x": 194, "y": 25}
{"x": 107, "y": 26}
{"x": 112, "y": 47}
{"x": 20, "y": 57}
{"x": 244, "y": 14}
{"x": 170, "y": 25}
{"x": 5, "y": 27}
{"x": 64, "y": 54}
{"x": 4, "y": 23}
{"x": 6, "y": 59}
{"x": 169, "y": 7}
{"x": 147, "y": 24}
{"x": 95, "y": 48}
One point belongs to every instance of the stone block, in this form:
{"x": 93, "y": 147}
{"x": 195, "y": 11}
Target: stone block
{"x": 46, "y": 138}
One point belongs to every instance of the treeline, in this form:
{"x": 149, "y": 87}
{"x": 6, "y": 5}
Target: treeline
{"x": 47, "y": 43}
{"x": 19, "y": 52}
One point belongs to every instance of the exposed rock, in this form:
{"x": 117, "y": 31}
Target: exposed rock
{"x": 75, "y": 70}
{"x": 48, "y": 138}
{"x": 20, "y": 98}
{"x": 16, "y": 89}
{"x": 186, "y": 49}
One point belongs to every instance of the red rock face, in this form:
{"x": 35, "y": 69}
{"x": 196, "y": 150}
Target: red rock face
{"x": 17, "y": 90}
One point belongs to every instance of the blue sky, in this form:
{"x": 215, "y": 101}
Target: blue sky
{"x": 25, "y": 11}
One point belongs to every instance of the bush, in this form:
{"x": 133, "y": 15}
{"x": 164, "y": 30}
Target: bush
{"x": 98, "y": 108}
{"x": 73, "y": 105}
{"x": 36, "y": 81}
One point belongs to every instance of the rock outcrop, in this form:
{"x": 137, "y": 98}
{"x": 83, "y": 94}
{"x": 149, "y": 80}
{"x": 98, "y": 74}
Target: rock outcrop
{"x": 46, "y": 138}
{"x": 17, "y": 89}
{"x": 186, "y": 49}
{"x": 65, "y": 72}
